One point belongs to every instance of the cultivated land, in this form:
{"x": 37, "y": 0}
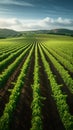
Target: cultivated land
{"x": 36, "y": 83}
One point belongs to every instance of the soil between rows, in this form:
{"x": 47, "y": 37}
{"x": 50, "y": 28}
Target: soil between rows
{"x": 50, "y": 116}
{"x": 4, "y": 93}
{"x": 60, "y": 81}
{"x": 11, "y": 61}
{"x": 69, "y": 72}
{"x": 23, "y": 113}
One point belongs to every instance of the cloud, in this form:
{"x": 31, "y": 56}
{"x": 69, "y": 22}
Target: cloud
{"x": 59, "y": 20}
{"x": 64, "y": 21}
{"x": 18, "y": 3}
{"x": 46, "y": 23}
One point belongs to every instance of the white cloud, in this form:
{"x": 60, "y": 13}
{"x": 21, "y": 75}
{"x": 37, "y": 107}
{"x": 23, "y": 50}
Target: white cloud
{"x": 46, "y": 23}
{"x": 64, "y": 21}
{"x": 16, "y": 3}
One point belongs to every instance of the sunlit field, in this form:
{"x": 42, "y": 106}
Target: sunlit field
{"x": 36, "y": 82}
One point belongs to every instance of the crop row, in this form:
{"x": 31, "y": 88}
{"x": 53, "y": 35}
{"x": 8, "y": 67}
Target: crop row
{"x": 36, "y": 103}
{"x": 64, "y": 73}
{"x": 5, "y": 55}
{"x": 62, "y": 60}
{"x": 64, "y": 55}
{"x": 9, "y": 45}
{"x": 60, "y": 99}
{"x": 11, "y": 105}
{"x": 7, "y": 73}
{"x": 68, "y": 51}
{"x": 11, "y": 58}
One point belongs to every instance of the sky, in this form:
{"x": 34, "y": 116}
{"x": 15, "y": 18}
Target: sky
{"x": 24, "y": 15}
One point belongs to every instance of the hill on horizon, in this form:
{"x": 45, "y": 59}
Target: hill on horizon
{"x": 4, "y": 33}
{"x": 62, "y": 31}
{"x": 52, "y": 31}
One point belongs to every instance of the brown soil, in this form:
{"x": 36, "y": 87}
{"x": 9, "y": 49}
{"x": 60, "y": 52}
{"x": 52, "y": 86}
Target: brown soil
{"x": 70, "y": 73}
{"x": 12, "y": 60}
{"x": 4, "y": 93}
{"x": 64, "y": 88}
{"x": 23, "y": 113}
{"x": 50, "y": 117}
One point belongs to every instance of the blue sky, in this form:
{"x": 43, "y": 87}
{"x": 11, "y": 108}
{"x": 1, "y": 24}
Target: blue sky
{"x": 36, "y": 14}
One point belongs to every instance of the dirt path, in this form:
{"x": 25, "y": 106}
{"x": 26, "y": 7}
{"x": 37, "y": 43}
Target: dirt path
{"x": 50, "y": 116}
{"x": 23, "y": 114}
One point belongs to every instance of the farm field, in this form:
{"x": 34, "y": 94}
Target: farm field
{"x": 36, "y": 83}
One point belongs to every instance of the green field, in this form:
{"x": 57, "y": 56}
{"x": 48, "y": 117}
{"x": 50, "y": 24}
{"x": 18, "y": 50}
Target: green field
{"x": 36, "y": 82}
